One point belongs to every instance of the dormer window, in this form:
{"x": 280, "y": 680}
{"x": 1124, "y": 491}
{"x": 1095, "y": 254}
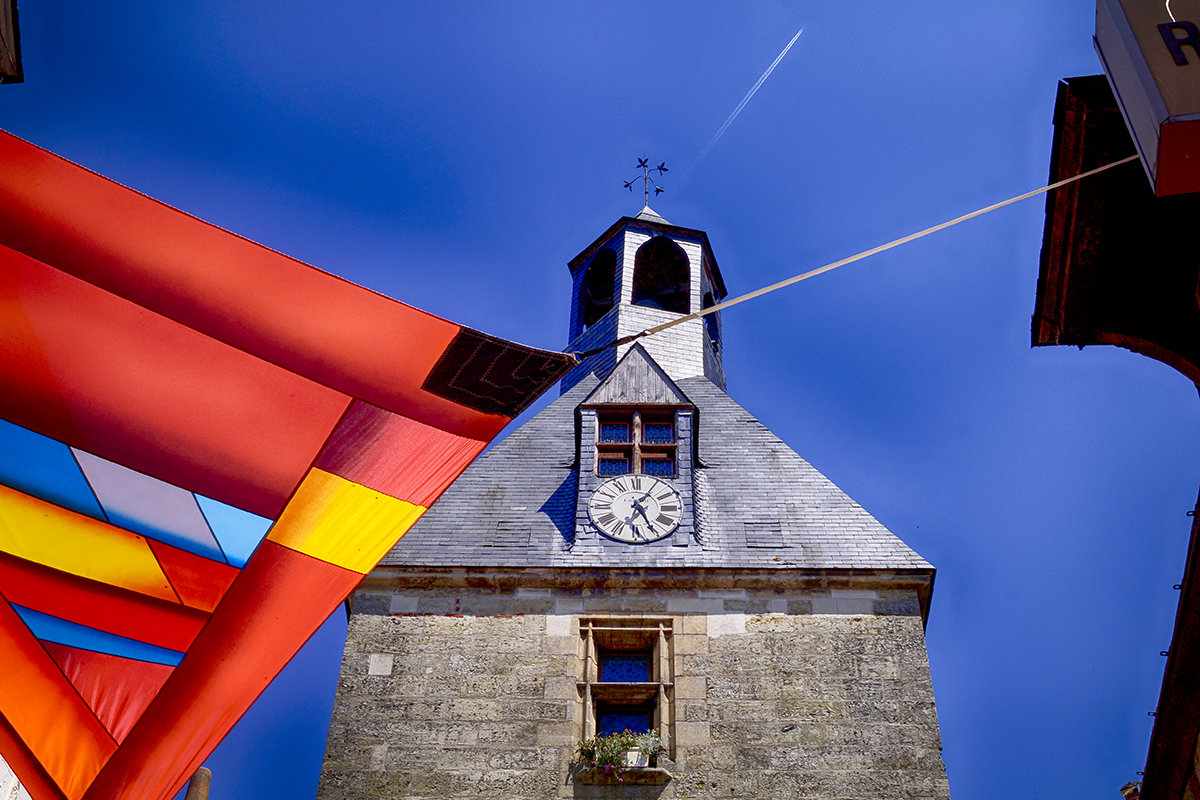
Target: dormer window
{"x": 661, "y": 276}
{"x": 640, "y": 440}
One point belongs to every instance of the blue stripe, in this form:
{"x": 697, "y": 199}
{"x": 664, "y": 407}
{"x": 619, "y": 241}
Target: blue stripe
{"x": 72, "y": 634}
{"x": 43, "y": 467}
{"x": 239, "y": 532}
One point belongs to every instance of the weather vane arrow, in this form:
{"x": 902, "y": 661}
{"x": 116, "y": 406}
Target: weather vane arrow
{"x": 647, "y": 181}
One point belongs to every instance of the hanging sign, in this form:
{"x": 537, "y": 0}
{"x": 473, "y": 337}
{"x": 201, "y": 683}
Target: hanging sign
{"x": 1150, "y": 50}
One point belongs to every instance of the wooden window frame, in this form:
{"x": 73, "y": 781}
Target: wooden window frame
{"x": 637, "y": 450}
{"x": 637, "y": 634}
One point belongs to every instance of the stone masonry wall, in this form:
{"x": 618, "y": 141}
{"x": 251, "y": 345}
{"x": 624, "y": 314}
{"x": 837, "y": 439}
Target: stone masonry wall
{"x": 471, "y": 693}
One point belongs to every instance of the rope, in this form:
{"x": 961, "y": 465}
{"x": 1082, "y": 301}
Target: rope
{"x": 857, "y": 257}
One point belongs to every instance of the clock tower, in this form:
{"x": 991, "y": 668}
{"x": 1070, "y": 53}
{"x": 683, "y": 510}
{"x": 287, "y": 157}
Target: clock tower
{"x": 641, "y": 555}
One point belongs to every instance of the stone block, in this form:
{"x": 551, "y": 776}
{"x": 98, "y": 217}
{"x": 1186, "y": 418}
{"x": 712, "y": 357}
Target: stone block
{"x": 480, "y": 686}
{"x": 800, "y": 605}
{"x": 568, "y": 605}
{"x": 428, "y": 783}
{"x": 559, "y": 625}
{"x": 542, "y": 710}
{"x": 723, "y": 593}
{"x": 811, "y": 710}
{"x": 370, "y": 603}
{"x": 379, "y": 664}
{"x": 340, "y": 785}
{"x": 564, "y": 687}
{"x": 694, "y": 624}
{"x": 691, "y": 687}
{"x": 688, "y": 734}
{"x": 511, "y": 733}
{"x": 523, "y": 687}
{"x": 476, "y": 709}
{"x": 924, "y": 785}
{"x": 690, "y": 644}
{"x": 556, "y": 734}
{"x": 557, "y": 645}
{"x": 711, "y": 759}
{"x": 402, "y": 604}
{"x": 878, "y": 667}
{"x": 692, "y": 711}
{"x": 726, "y": 624}
{"x": 710, "y": 605}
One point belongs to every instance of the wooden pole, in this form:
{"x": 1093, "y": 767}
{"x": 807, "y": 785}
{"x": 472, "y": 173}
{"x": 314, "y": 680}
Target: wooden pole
{"x": 198, "y": 786}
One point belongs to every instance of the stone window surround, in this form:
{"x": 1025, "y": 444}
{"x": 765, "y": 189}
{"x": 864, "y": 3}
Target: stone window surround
{"x": 595, "y": 632}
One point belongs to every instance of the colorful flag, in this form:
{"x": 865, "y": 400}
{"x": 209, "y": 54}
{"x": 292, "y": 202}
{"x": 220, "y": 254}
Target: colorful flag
{"x": 204, "y": 446}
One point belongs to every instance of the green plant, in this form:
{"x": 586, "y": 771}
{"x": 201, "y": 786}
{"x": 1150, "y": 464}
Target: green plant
{"x": 607, "y": 753}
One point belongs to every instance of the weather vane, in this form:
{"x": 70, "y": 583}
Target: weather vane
{"x": 645, "y": 178}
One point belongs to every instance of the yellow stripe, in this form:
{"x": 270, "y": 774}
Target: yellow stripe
{"x": 343, "y": 522}
{"x": 55, "y": 537}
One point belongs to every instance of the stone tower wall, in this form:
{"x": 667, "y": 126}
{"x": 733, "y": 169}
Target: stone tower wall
{"x": 473, "y": 693}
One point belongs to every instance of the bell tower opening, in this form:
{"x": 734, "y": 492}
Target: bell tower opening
{"x": 711, "y": 323}
{"x": 661, "y": 276}
{"x": 599, "y": 284}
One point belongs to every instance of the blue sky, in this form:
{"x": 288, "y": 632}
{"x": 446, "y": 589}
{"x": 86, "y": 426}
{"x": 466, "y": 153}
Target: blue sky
{"x": 456, "y": 155}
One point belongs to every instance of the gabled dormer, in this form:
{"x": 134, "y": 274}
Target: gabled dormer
{"x": 637, "y": 422}
{"x": 641, "y": 272}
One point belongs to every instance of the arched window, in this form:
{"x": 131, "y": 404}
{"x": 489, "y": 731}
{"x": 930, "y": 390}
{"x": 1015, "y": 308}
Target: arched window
{"x": 661, "y": 278}
{"x": 598, "y": 284}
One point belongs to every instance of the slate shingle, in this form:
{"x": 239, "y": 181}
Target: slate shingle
{"x": 516, "y": 505}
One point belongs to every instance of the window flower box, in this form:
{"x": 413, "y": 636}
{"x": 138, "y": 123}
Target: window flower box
{"x": 620, "y": 758}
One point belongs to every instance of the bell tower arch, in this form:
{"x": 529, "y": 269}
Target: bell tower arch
{"x": 641, "y": 272}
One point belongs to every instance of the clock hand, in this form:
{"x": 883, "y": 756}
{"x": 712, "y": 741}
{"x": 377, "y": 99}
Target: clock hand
{"x": 638, "y": 507}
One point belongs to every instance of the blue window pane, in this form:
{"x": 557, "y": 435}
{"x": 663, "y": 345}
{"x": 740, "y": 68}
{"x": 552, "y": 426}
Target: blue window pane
{"x": 614, "y": 466}
{"x": 663, "y": 467}
{"x": 624, "y": 667}
{"x": 614, "y": 432}
{"x": 658, "y": 433}
{"x": 615, "y": 719}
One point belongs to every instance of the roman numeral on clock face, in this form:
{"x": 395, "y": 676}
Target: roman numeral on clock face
{"x": 635, "y": 508}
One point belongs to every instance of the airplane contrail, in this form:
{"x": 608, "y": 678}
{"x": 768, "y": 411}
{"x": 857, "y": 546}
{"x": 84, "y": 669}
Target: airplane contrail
{"x": 738, "y": 110}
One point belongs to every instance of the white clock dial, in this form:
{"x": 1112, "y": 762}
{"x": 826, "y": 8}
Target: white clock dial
{"x": 635, "y": 508}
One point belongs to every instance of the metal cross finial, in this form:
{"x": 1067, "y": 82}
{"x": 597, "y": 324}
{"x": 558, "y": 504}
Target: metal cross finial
{"x": 647, "y": 181}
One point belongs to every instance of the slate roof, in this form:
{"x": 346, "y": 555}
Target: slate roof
{"x": 648, "y": 213}
{"x": 759, "y": 505}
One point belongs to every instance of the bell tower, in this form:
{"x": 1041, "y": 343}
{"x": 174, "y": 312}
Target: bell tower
{"x": 641, "y": 555}
{"x": 641, "y": 272}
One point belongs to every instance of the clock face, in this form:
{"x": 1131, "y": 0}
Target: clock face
{"x": 635, "y": 508}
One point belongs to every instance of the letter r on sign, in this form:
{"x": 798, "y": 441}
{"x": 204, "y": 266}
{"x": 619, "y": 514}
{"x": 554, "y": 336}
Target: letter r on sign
{"x": 1175, "y": 44}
